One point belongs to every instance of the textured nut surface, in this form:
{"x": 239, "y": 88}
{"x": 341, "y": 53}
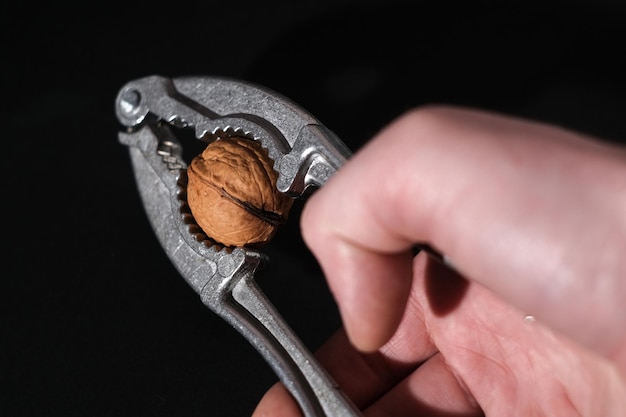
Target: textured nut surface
{"x": 232, "y": 193}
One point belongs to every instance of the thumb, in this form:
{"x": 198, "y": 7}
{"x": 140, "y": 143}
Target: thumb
{"x": 517, "y": 206}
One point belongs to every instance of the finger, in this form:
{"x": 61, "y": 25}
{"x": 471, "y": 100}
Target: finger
{"x": 277, "y": 402}
{"x": 386, "y": 382}
{"x": 507, "y": 200}
{"x": 432, "y": 390}
{"x": 372, "y": 310}
{"x": 368, "y": 377}
{"x": 507, "y": 361}
{"x": 364, "y": 377}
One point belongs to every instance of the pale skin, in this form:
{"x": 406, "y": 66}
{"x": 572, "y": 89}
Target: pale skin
{"x": 533, "y": 218}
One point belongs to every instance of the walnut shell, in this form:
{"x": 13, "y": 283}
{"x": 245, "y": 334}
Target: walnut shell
{"x": 232, "y": 193}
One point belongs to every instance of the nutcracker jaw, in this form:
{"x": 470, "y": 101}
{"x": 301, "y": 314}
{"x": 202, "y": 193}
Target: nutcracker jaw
{"x": 305, "y": 155}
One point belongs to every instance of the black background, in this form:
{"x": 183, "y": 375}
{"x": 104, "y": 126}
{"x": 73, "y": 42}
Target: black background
{"x": 94, "y": 320}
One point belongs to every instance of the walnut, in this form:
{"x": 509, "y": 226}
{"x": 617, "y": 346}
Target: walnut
{"x": 232, "y": 193}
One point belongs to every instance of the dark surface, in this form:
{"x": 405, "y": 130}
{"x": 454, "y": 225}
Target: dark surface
{"x": 94, "y": 320}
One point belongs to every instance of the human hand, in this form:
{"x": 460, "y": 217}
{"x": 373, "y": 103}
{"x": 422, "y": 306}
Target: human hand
{"x": 532, "y": 217}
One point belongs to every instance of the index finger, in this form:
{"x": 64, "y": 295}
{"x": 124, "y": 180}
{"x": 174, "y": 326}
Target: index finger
{"x": 521, "y": 207}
